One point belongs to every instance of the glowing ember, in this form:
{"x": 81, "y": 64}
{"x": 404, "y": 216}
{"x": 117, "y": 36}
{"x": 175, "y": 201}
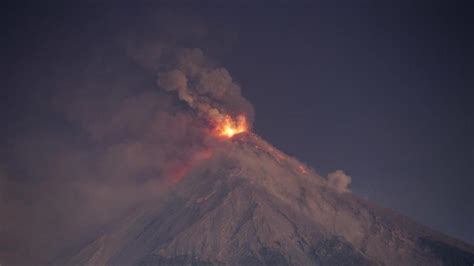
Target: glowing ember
{"x": 302, "y": 169}
{"x": 229, "y": 127}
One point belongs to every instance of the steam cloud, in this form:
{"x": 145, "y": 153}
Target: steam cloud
{"x": 110, "y": 132}
{"x": 339, "y": 180}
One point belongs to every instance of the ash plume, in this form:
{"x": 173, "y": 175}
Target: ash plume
{"x": 104, "y": 128}
{"x": 187, "y": 71}
{"x": 207, "y": 89}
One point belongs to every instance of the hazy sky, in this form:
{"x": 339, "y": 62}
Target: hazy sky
{"x": 381, "y": 91}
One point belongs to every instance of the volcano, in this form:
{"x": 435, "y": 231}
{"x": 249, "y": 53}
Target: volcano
{"x": 251, "y": 204}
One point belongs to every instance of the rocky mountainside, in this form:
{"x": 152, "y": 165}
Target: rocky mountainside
{"x": 250, "y": 204}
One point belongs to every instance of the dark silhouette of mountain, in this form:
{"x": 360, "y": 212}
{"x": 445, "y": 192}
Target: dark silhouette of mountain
{"x": 250, "y": 204}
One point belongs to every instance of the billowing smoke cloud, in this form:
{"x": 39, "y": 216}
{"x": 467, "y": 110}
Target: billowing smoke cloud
{"x": 339, "y": 180}
{"x": 205, "y": 88}
{"x": 104, "y": 128}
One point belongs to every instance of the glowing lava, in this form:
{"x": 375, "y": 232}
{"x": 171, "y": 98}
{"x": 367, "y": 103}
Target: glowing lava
{"x": 229, "y": 127}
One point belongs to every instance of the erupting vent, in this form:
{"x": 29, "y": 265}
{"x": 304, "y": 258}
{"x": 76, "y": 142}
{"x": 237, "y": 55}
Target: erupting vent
{"x": 228, "y": 127}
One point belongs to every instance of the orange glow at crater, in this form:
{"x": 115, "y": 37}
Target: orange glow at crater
{"x": 229, "y": 127}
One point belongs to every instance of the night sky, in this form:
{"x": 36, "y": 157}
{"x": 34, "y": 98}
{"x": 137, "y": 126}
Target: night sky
{"x": 381, "y": 91}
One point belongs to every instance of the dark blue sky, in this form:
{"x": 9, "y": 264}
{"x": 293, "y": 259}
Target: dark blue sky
{"x": 381, "y": 91}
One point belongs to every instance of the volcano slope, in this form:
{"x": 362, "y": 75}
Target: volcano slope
{"x": 250, "y": 204}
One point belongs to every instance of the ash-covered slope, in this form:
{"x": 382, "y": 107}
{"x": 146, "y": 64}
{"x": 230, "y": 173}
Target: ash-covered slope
{"x": 250, "y": 204}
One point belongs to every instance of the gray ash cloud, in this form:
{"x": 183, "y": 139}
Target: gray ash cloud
{"x": 111, "y": 115}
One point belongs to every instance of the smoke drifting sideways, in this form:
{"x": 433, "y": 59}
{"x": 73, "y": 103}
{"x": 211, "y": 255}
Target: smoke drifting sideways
{"x": 107, "y": 123}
